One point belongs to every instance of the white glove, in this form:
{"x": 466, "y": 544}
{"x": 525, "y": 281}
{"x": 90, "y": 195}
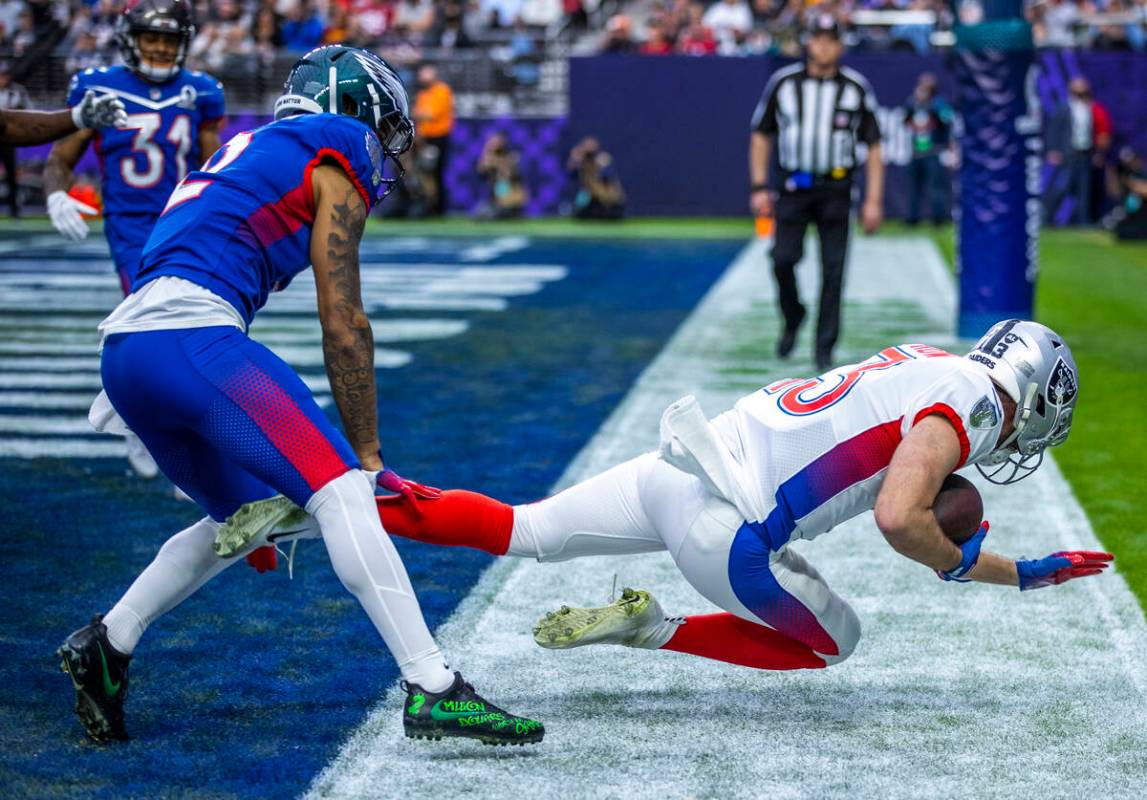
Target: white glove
{"x": 103, "y": 111}
{"x": 65, "y": 211}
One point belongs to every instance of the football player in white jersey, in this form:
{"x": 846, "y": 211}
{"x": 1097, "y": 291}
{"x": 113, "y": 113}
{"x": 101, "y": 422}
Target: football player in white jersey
{"x": 727, "y": 496}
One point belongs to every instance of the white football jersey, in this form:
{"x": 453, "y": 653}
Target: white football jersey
{"x": 817, "y": 449}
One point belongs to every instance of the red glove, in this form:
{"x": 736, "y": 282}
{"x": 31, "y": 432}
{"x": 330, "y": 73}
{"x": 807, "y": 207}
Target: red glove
{"x": 390, "y": 481}
{"x": 263, "y": 559}
{"x": 1061, "y": 567}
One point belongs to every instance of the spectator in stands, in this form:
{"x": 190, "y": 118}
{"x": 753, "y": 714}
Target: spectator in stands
{"x": 449, "y": 32}
{"x": 415, "y": 17}
{"x": 1129, "y": 218}
{"x": 696, "y": 39}
{"x": 1077, "y": 139}
{"x": 500, "y": 13}
{"x": 522, "y": 54}
{"x": 1124, "y": 35}
{"x": 619, "y": 36}
{"x": 25, "y": 34}
{"x": 338, "y": 25}
{"x": 265, "y": 31}
{"x": 84, "y": 54}
{"x": 303, "y": 28}
{"x": 500, "y": 166}
{"x": 541, "y": 13}
{"x": 9, "y": 17}
{"x": 599, "y": 194}
{"x": 370, "y": 19}
{"x": 575, "y": 12}
{"x": 730, "y": 21}
{"x": 929, "y": 120}
{"x": 434, "y": 120}
{"x": 659, "y": 43}
{"x": 12, "y": 95}
{"x": 1058, "y": 18}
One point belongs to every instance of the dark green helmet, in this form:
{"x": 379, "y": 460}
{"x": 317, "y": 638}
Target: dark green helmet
{"x": 355, "y": 83}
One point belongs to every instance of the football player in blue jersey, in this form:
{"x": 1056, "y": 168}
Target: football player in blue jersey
{"x": 230, "y": 423}
{"x": 173, "y": 120}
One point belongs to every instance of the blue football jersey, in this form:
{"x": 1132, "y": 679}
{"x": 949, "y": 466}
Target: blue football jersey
{"x": 241, "y": 226}
{"x": 143, "y": 162}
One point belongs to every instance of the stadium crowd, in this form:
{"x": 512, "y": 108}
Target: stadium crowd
{"x": 754, "y": 27}
{"x": 235, "y": 36}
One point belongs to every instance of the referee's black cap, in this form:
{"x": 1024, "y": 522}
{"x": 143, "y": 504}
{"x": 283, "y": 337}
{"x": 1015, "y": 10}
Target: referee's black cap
{"x": 823, "y": 23}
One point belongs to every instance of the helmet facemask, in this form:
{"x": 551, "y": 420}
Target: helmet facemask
{"x": 341, "y": 80}
{"x": 170, "y": 19}
{"x": 1035, "y": 368}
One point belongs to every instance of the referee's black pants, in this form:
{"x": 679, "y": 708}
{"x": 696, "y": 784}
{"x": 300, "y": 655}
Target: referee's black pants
{"x": 827, "y": 206}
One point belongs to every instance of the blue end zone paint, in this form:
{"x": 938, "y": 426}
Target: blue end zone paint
{"x": 249, "y": 687}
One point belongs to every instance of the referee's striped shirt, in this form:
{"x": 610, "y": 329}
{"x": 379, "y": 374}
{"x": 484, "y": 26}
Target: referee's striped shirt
{"x": 817, "y": 121}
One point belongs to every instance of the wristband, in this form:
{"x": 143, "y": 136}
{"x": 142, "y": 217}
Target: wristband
{"x": 759, "y": 187}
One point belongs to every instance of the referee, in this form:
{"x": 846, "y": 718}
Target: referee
{"x": 815, "y": 113}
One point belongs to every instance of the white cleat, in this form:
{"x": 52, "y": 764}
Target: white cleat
{"x": 140, "y": 460}
{"x": 634, "y": 620}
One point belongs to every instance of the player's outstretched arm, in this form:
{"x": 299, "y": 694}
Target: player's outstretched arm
{"x": 1059, "y": 567}
{"x": 927, "y": 455}
{"x": 23, "y": 128}
{"x": 348, "y": 343}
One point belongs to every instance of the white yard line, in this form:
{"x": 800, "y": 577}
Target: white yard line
{"x": 955, "y": 691}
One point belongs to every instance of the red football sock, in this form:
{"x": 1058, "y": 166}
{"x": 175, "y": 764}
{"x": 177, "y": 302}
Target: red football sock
{"x": 457, "y": 518}
{"x": 726, "y": 637}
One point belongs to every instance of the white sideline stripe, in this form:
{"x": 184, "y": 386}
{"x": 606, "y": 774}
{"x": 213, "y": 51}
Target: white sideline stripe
{"x": 63, "y": 448}
{"x": 17, "y": 423}
{"x": 962, "y": 691}
{"x": 295, "y": 355}
{"x": 84, "y": 303}
{"x": 77, "y": 335}
{"x": 55, "y": 400}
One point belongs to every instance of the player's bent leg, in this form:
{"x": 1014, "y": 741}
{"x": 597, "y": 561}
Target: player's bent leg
{"x": 439, "y": 702}
{"x": 808, "y": 625}
{"x": 600, "y": 516}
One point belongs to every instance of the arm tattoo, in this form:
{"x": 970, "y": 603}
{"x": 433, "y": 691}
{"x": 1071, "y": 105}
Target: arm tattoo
{"x": 350, "y": 360}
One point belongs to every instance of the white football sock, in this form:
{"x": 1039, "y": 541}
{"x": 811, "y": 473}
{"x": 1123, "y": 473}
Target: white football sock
{"x": 369, "y": 567}
{"x": 184, "y": 563}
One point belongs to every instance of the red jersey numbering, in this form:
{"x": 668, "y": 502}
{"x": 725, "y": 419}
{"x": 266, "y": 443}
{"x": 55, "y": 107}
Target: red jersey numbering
{"x": 803, "y": 396}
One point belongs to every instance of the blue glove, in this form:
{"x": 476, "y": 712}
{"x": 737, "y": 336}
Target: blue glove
{"x": 971, "y": 551}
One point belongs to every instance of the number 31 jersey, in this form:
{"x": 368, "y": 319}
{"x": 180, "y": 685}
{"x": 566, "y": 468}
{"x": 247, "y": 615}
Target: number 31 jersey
{"x": 817, "y": 449}
{"x": 143, "y": 162}
{"x": 241, "y": 226}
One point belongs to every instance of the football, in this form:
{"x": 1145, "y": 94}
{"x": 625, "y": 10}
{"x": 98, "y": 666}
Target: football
{"x": 958, "y": 508}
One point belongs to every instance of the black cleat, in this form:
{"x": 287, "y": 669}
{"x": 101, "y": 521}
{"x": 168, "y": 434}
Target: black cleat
{"x": 99, "y": 675}
{"x": 823, "y": 362}
{"x": 460, "y": 711}
{"x": 788, "y": 338}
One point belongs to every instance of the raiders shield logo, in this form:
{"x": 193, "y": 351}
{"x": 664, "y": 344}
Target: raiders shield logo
{"x": 984, "y": 415}
{"x": 1062, "y": 386}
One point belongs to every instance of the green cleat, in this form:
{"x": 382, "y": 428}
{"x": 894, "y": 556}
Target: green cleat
{"x": 460, "y": 711}
{"x": 255, "y": 522}
{"x": 634, "y": 620}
